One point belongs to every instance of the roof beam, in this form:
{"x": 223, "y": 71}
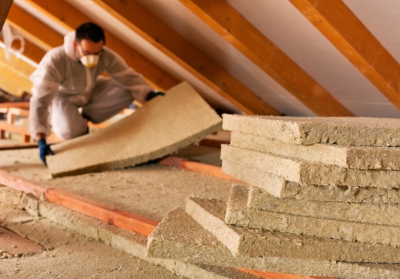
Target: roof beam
{"x": 234, "y": 28}
{"x": 69, "y": 17}
{"x": 175, "y": 46}
{"x": 17, "y": 64}
{"x": 5, "y": 6}
{"x": 31, "y": 51}
{"x": 348, "y": 34}
{"x": 33, "y": 29}
{"x": 13, "y": 81}
{"x": 14, "y": 75}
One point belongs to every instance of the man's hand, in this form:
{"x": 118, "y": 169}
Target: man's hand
{"x": 44, "y": 150}
{"x": 152, "y": 95}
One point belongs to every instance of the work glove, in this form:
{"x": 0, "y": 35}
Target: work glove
{"x": 44, "y": 150}
{"x": 152, "y": 95}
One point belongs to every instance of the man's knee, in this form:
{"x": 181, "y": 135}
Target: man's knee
{"x": 66, "y": 133}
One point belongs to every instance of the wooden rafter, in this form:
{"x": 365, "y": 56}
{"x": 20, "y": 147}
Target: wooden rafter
{"x": 33, "y": 29}
{"x": 175, "y": 46}
{"x": 12, "y": 80}
{"x": 69, "y": 17}
{"x": 18, "y": 65}
{"x": 31, "y": 51}
{"x": 5, "y": 6}
{"x": 14, "y": 74}
{"x": 234, "y": 28}
{"x": 349, "y": 35}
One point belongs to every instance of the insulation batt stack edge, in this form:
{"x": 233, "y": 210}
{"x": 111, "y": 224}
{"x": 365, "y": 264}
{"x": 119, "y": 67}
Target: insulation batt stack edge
{"x": 321, "y": 198}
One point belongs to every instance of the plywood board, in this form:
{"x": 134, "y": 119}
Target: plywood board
{"x": 161, "y": 127}
{"x": 12, "y": 244}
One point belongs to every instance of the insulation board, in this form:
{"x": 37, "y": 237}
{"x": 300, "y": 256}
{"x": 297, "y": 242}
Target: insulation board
{"x": 161, "y": 127}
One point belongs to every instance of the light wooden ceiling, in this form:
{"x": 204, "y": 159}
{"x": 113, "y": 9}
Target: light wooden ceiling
{"x": 291, "y": 57}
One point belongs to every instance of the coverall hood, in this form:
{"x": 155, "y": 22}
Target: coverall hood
{"x": 69, "y": 46}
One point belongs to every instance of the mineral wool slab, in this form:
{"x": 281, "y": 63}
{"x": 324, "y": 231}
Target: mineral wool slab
{"x": 281, "y": 188}
{"x": 161, "y": 127}
{"x": 380, "y": 214}
{"x": 347, "y": 131}
{"x": 307, "y": 173}
{"x": 181, "y": 238}
{"x": 238, "y": 214}
{"x": 210, "y": 214}
{"x": 354, "y": 157}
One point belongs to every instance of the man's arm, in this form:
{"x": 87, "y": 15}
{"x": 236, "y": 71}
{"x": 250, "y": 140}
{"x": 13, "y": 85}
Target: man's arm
{"x": 121, "y": 72}
{"x": 46, "y": 81}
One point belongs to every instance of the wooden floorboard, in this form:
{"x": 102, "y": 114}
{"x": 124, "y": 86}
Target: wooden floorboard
{"x": 12, "y": 245}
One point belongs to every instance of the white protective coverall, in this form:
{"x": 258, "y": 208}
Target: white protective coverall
{"x": 64, "y": 82}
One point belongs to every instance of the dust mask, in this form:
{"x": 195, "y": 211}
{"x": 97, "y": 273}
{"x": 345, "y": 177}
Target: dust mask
{"x": 90, "y": 60}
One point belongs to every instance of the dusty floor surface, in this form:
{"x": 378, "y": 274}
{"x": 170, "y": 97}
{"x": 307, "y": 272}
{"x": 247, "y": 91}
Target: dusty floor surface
{"x": 25, "y": 163}
{"x": 67, "y": 254}
{"x": 150, "y": 191}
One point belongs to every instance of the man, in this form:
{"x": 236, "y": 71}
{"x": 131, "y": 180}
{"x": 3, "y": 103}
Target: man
{"x": 68, "y": 78}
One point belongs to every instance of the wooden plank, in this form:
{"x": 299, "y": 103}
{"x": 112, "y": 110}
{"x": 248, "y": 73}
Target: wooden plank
{"x": 18, "y": 111}
{"x": 5, "y": 6}
{"x": 15, "y": 146}
{"x": 10, "y": 118}
{"x": 349, "y": 35}
{"x": 69, "y": 17}
{"x": 15, "y": 105}
{"x": 14, "y": 129}
{"x": 235, "y": 29}
{"x": 213, "y": 142}
{"x": 12, "y": 245}
{"x": 119, "y": 218}
{"x": 36, "y": 31}
{"x": 273, "y": 275}
{"x": 196, "y": 167}
{"x": 12, "y": 112}
{"x": 185, "y": 54}
{"x": 21, "y": 184}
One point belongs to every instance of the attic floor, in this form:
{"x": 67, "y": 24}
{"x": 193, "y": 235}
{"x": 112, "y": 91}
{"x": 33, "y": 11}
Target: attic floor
{"x": 149, "y": 190}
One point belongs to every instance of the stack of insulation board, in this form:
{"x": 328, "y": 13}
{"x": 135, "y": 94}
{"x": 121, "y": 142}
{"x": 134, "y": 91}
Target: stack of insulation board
{"x": 322, "y": 199}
